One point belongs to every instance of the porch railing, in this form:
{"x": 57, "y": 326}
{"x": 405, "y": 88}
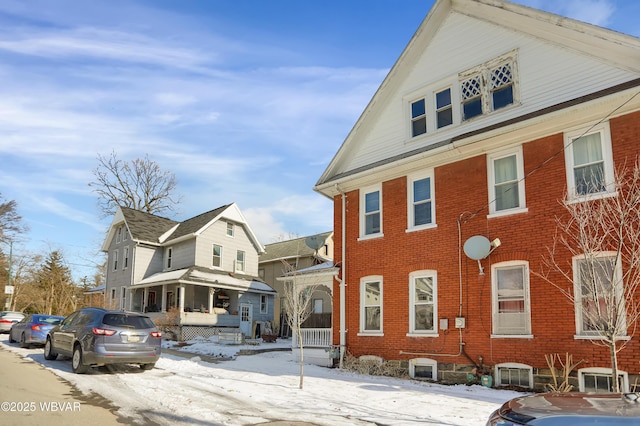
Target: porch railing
{"x": 313, "y": 338}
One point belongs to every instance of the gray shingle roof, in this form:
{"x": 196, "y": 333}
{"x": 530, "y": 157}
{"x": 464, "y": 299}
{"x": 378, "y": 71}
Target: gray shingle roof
{"x": 196, "y": 223}
{"x": 146, "y": 226}
{"x": 288, "y": 249}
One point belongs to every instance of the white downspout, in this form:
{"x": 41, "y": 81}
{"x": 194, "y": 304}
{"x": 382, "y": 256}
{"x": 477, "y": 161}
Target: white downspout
{"x": 343, "y": 298}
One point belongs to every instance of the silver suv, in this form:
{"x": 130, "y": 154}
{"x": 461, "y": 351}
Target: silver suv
{"x": 96, "y": 337}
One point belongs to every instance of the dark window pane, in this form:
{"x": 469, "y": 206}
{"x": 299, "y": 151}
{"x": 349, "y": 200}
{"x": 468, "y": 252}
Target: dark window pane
{"x": 472, "y": 108}
{"x": 422, "y": 214}
{"x": 423, "y": 371}
{"x": 372, "y": 202}
{"x": 417, "y": 108}
{"x": 443, "y": 98}
{"x": 421, "y": 190}
{"x": 372, "y": 225}
{"x": 419, "y": 127}
{"x": 445, "y": 117}
{"x": 507, "y": 196}
{"x": 502, "y": 97}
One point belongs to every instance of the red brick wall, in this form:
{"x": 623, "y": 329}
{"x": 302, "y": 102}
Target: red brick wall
{"x": 461, "y": 193}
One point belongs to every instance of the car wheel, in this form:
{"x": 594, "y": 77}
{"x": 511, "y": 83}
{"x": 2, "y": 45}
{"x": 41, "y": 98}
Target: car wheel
{"x": 11, "y": 339}
{"x": 76, "y": 361}
{"x": 148, "y": 366}
{"x": 23, "y": 342}
{"x": 49, "y": 353}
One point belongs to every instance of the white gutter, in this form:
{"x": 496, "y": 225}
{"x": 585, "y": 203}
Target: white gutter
{"x": 343, "y": 298}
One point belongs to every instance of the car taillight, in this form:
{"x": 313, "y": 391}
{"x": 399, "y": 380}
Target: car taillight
{"x": 6, "y": 321}
{"x": 103, "y": 332}
{"x": 36, "y": 327}
{"x": 156, "y": 334}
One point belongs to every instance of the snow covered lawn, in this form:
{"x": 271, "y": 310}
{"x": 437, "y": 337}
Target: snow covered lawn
{"x": 261, "y": 388}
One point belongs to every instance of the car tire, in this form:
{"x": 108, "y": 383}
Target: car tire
{"x": 146, "y": 367}
{"x": 23, "y": 342}
{"x": 76, "y": 361}
{"x": 49, "y": 353}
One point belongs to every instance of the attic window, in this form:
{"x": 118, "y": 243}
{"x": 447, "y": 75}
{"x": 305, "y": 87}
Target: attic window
{"x": 230, "y": 229}
{"x": 488, "y": 87}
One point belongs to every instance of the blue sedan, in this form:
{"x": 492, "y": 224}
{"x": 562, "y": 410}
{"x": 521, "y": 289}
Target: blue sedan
{"x": 33, "y": 329}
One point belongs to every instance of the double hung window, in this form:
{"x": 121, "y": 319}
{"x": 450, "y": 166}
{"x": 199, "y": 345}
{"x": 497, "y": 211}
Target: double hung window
{"x": 240, "y": 261}
{"x": 422, "y": 299}
{"x": 371, "y": 305}
{"x": 216, "y": 260}
{"x": 421, "y": 201}
{"x": 598, "y": 293}
{"x": 510, "y": 297}
{"x": 418, "y": 118}
{"x": 371, "y": 211}
{"x": 589, "y": 162}
{"x": 506, "y": 181}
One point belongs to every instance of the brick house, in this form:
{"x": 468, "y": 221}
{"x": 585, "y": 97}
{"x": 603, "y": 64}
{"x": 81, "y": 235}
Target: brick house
{"x": 486, "y": 122}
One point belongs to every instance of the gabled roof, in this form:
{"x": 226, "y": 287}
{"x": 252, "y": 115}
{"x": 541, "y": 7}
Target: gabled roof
{"x": 294, "y": 248}
{"x": 155, "y": 230}
{"x": 607, "y": 48}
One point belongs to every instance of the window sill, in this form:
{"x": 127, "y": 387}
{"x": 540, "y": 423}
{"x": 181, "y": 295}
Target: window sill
{"x": 574, "y": 199}
{"x": 507, "y": 212}
{"x": 423, "y": 335}
{"x": 596, "y": 337}
{"x": 370, "y": 237}
{"x": 421, "y": 228}
{"x": 512, "y": 336}
{"x": 371, "y": 334}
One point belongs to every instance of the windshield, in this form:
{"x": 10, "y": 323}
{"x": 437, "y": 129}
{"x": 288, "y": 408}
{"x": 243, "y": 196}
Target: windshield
{"x": 128, "y": 321}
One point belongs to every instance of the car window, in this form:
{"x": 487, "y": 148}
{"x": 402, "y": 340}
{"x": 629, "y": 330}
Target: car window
{"x": 43, "y": 319}
{"x": 68, "y": 320}
{"x": 128, "y": 321}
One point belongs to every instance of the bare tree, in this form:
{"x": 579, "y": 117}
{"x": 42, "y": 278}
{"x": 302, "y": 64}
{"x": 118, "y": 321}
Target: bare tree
{"x": 602, "y": 238}
{"x": 297, "y": 299}
{"x": 10, "y": 221}
{"x": 139, "y": 184}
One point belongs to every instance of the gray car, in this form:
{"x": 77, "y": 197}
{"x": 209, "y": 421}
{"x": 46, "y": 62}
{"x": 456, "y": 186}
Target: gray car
{"x": 8, "y": 318}
{"x": 96, "y": 337}
{"x": 573, "y": 408}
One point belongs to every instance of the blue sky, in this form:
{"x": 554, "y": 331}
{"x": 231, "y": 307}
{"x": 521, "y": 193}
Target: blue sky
{"x": 245, "y": 101}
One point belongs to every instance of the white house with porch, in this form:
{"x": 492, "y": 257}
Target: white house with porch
{"x": 201, "y": 273}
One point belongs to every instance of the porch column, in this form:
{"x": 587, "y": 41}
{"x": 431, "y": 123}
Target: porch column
{"x": 212, "y": 291}
{"x": 163, "y": 303}
{"x": 181, "y": 293}
{"x": 145, "y": 298}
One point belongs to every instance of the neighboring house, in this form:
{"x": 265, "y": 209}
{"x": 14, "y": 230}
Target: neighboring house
{"x": 95, "y": 296}
{"x": 204, "y": 270}
{"x": 474, "y": 133}
{"x": 299, "y": 254}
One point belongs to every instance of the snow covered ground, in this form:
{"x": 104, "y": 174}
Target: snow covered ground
{"x": 263, "y": 388}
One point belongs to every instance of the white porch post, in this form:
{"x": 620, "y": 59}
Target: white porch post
{"x": 163, "y": 301}
{"x": 211, "y": 293}
{"x": 145, "y": 297}
{"x": 181, "y": 293}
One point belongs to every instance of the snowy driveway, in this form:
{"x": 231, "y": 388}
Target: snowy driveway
{"x": 263, "y": 388}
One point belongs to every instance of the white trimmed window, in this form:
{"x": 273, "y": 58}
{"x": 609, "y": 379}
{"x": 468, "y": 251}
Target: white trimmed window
{"x": 119, "y": 234}
{"x": 168, "y": 257}
{"x": 589, "y": 162}
{"x": 423, "y": 298}
{"x": 125, "y": 258}
{"x": 230, "y": 229}
{"x": 216, "y": 260}
{"x": 125, "y": 233}
{"x": 506, "y": 181}
{"x": 371, "y": 305}
{"x": 599, "y": 380}
{"x": 444, "y": 109}
{"x": 123, "y": 296}
{"x": 264, "y": 303}
{"x": 514, "y": 374}
{"x": 418, "y": 117}
{"x": 598, "y": 293}
{"x": 423, "y": 368}
{"x": 115, "y": 260}
{"x": 421, "y": 201}
{"x": 510, "y": 298}
{"x": 371, "y": 211}
{"x": 240, "y": 261}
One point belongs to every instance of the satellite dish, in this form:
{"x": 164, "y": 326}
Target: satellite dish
{"x": 314, "y": 242}
{"x": 477, "y": 247}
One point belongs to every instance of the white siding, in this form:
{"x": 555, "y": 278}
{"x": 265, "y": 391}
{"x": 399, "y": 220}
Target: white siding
{"x": 148, "y": 261}
{"x": 547, "y": 75}
{"x": 217, "y": 234}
